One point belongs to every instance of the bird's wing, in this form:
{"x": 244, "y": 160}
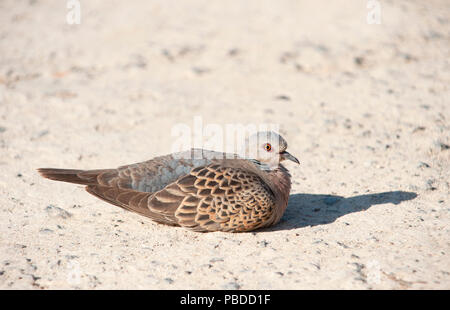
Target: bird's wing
{"x": 155, "y": 174}
{"x": 149, "y": 176}
{"x": 216, "y": 197}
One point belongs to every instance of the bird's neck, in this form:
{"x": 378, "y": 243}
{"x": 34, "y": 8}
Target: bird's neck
{"x": 266, "y": 166}
{"x": 261, "y": 165}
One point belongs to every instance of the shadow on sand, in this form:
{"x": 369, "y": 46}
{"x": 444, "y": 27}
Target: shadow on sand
{"x": 311, "y": 209}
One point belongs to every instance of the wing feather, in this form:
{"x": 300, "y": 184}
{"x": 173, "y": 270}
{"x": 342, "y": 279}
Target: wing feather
{"x": 235, "y": 204}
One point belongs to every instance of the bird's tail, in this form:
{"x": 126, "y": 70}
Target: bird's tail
{"x": 85, "y": 177}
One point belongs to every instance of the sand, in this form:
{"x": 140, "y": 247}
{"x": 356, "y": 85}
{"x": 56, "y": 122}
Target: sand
{"x": 365, "y": 108}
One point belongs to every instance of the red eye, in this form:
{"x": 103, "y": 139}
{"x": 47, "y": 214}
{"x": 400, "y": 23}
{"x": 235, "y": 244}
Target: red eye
{"x": 268, "y": 147}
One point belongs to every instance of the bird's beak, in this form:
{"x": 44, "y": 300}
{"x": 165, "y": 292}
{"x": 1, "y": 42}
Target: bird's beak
{"x": 286, "y": 155}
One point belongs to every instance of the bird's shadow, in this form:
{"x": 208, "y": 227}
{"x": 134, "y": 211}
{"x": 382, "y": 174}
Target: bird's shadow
{"x": 315, "y": 209}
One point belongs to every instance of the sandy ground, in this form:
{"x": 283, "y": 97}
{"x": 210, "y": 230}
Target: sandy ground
{"x": 364, "y": 107}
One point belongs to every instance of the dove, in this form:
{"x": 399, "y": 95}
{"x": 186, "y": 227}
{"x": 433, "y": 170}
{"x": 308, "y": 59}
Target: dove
{"x": 200, "y": 190}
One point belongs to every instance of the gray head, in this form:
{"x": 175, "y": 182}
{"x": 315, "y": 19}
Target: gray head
{"x": 268, "y": 147}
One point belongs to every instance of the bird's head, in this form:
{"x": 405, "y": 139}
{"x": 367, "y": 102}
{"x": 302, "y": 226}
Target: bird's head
{"x": 269, "y": 148}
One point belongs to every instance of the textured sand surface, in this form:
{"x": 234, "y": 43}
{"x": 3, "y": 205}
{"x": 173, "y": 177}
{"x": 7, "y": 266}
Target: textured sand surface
{"x": 364, "y": 107}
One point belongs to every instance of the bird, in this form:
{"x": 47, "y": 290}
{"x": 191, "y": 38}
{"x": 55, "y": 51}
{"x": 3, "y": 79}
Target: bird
{"x": 200, "y": 190}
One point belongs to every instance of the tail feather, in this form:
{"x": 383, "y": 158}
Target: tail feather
{"x": 109, "y": 186}
{"x": 69, "y": 175}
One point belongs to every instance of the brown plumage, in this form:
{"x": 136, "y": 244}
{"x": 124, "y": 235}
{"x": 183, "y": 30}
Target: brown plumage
{"x": 198, "y": 189}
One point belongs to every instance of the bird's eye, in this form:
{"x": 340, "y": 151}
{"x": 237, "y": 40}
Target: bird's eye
{"x": 268, "y": 147}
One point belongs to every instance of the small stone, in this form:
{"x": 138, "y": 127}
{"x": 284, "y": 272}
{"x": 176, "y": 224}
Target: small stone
{"x": 430, "y": 185}
{"x": 233, "y": 52}
{"x": 367, "y": 133}
{"x": 359, "y": 60}
{"x": 168, "y": 55}
{"x": 423, "y": 165}
{"x": 40, "y": 134}
{"x": 231, "y": 286}
{"x": 200, "y": 70}
{"x": 54, "y": 211}
{"x": 283, "y": 97}
{"x": 330, "y": 200}
{"x": 444, "y": 146}
{"x": 263, "y": 243}
{"x": 418, "y": 128}
{"x": 342, "y": 245}
{"x": 45, "y": 231}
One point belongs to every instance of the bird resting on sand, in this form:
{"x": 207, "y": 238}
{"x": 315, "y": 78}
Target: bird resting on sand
{"x": 198, "y": 189}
